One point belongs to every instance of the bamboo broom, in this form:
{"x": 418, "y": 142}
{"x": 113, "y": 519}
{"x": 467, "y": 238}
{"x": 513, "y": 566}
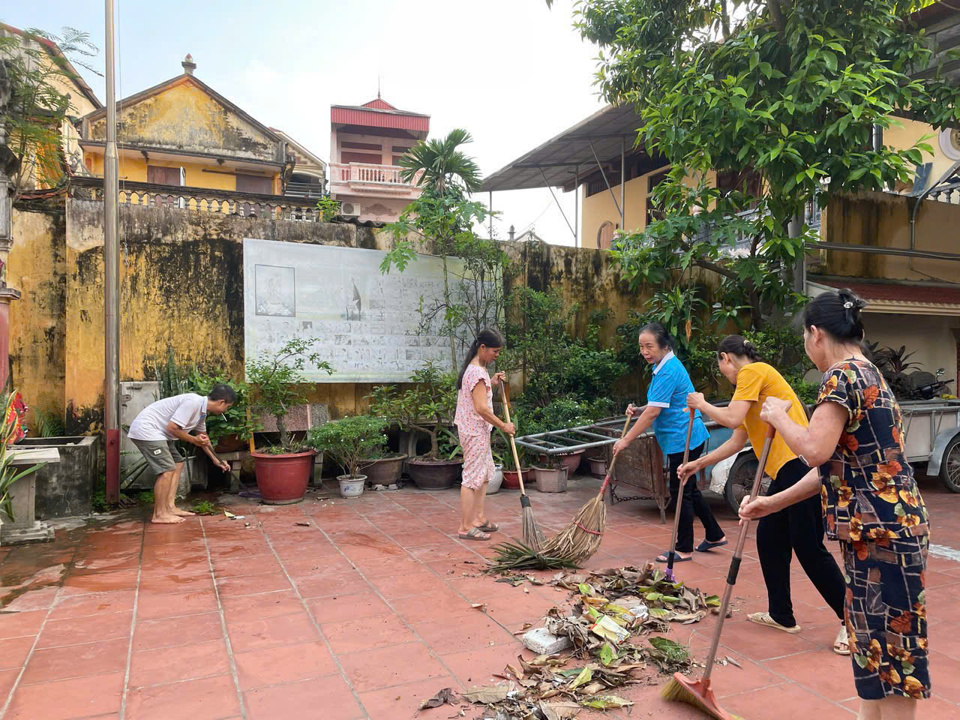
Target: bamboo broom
{"x": 582, "y": 538}
{"x": 532, "y": 534}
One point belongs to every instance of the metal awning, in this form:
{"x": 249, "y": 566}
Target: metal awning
{"x": 599, "y": 138}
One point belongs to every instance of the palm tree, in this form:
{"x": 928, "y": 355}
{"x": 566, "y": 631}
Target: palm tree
{"x": 446, "y": 175}
{"x": 443, "y": 166}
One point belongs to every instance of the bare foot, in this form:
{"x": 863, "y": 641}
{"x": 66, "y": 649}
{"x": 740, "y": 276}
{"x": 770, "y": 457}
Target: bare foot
{"x": 181, "y": 513}
{"x": 166, "y": 519}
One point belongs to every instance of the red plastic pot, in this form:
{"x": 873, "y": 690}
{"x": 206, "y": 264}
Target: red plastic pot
{"x": 511, "y": 481}
{"x": 283, "y": 479}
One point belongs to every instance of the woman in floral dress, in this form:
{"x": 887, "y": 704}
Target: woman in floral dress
{"x": 474, "y": 420}
{"x": 871, "y": 504}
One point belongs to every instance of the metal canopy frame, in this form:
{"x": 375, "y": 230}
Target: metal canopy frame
{"x": 599, "y": 139}
{"x": 574, "y": 439}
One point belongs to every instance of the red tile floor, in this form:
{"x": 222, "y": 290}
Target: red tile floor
{"x": 348, "y": 610}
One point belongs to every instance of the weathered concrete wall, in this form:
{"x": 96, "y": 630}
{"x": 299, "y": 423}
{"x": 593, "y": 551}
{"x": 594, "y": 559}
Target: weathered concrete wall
{"x": 586, "y": 277}
{"x": 883, "y": 220}
{"x": 182, "y": 288}
{"x": 185, "y": 117}
{"x": 66, "y": 488}
{"x": 37, "y": 268}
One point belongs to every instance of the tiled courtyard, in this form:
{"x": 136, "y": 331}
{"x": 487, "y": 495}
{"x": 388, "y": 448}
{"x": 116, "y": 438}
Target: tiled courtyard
{"x": 347, "y": 610}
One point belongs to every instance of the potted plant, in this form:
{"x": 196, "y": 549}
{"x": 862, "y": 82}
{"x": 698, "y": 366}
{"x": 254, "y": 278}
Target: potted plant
{"x": 230, "y": 430}
{"x": 493, "y": 486}
{"x": 598, "y": 465}
{"x": 428, "y": 406}
{"x": 511, "y": 478}
{"x": 349, "y": 441}
{"x": 551, "y": 474}
{"x": 383, "y": 467}
{"x": 276, "y": 385}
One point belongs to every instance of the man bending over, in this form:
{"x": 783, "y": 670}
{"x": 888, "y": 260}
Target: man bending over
{"x": 155, "y": 432}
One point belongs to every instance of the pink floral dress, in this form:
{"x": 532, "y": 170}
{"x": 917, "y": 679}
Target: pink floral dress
{"x": 474, "y": 431}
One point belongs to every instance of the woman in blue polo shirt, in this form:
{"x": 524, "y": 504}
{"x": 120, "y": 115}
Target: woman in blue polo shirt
{"x": 667, "y": 411}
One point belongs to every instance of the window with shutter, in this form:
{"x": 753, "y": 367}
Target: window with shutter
{"x": 254, "y": 184}
{"x": 164, "y": 175}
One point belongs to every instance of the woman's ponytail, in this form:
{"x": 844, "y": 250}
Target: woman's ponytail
{"x": 486, "y": 337}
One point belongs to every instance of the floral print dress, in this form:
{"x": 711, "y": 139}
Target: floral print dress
{"x": 473, "y": 430}
{"x": 873, "y": 507}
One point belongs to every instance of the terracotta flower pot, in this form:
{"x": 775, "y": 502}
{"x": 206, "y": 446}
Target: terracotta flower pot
{"x": 571, "y": 461}
{"x": 511, "y": 481}
{"x": 283, "y": 479}
{"x": 598, "y": 466}
{"x": 383, "y": 472}
{"x": 434, "y": 474}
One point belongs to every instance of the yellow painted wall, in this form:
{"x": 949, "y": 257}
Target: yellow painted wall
{"x": 883, "y": 220}
{"x": 37, "y": 323}
{"x": 184, "y": 117}
{"x": 182, "y": 287}
{"x": 904, "y": 134}
{"x": 135, "y": 170}
{"x": 600, "y": 208}
{"x": 932, "y": 339}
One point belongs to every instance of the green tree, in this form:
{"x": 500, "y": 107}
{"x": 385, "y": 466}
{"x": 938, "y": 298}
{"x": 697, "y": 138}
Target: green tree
{"x": 440, "y": 165}
{"x": 445, "y": 216}
{"x": 38, "y": 65}
{"x": 779, "y": 96}
{"x": 276, "y": 382}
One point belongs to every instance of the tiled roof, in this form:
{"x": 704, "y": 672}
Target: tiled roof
{"x": 897, "y": 293}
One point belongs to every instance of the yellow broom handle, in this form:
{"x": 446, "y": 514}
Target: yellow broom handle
{"x": 513, "y": 445}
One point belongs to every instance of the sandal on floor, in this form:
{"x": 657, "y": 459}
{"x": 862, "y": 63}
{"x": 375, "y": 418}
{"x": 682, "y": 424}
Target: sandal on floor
{"x": 763, "y": 618}
{"x": 474, "y": 534}
{"x": 664, "y": 557}
{"x": 707, "y": 546}
{"x": 841, "y": 646}
{"x": 488, "y": 527}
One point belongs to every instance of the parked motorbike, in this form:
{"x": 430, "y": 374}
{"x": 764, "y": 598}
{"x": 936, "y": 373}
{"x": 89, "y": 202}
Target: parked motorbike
{"x": 926, "y": 386}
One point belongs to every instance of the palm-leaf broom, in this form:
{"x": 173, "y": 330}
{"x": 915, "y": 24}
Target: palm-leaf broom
{"x": 581, "y": 538}
{"x": 698, "y": 693}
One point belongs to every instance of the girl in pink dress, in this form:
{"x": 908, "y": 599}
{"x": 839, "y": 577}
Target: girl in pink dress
{"x": 475, "y": 420}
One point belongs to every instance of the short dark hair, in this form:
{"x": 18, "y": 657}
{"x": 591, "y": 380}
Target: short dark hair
{"x": 739, "y": 346}
{"x": 837, "y": 314}
{"x": 659, "y": 333}
{"x": 223, "y": 392}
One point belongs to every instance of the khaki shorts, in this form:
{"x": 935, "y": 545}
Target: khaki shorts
{"x": 161, "y": 455}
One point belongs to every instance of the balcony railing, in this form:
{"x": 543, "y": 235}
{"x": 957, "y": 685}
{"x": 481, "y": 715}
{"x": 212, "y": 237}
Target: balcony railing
{"x": 811, "y": 217}
{"x": 366, "y": 174}
{"x": 253, "y": 205}
{"x": 303, "y": 190}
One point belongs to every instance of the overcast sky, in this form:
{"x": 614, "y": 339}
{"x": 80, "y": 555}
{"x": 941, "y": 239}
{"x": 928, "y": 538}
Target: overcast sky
{"x": 512, "y": 72}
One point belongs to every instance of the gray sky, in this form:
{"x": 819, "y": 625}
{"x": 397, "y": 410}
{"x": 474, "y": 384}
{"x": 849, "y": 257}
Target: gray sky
{"x": 512, "y": 72}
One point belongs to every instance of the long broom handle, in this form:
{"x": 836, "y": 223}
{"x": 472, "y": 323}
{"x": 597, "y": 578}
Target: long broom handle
{"x": 513, "y": 446}
{"x": 737, "y": 556}
{"x": 676, "y": 514}
{"x": 613, "y": 462}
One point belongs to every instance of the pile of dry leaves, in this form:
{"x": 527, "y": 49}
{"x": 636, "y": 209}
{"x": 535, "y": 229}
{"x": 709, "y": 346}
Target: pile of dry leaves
{"x": 610, "y": 624}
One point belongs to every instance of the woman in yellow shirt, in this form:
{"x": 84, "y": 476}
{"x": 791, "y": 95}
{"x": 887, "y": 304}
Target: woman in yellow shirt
{"x": 798, "y": 529}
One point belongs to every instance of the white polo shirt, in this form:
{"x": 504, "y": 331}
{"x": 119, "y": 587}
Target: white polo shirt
{"x": 189, "y": 411}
